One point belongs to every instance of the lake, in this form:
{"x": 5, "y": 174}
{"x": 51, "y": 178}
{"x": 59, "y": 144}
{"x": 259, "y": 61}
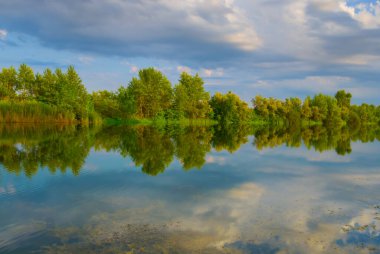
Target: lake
{"x": 220, "y": 189}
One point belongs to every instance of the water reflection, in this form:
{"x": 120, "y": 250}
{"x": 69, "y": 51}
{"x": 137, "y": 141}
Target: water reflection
{"x": 28, "y": 148}
{"x": 319, "y": 138}
{"x": 301, "y": 197}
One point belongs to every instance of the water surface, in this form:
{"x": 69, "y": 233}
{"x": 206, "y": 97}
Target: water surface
{"x": 72, "y": 189}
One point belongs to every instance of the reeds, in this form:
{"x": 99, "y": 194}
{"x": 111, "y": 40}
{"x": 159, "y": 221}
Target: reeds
{"x": 33, "y": 112}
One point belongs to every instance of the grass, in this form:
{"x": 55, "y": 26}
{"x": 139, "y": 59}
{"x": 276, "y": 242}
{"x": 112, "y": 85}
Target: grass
{"x": 33, "y": 112}
{"x": 38, "y": 112}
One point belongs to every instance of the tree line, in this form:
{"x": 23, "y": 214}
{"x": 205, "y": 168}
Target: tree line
{"x": 61, "y": 96}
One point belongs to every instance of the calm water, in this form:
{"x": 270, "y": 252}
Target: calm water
{"x": 189, "y": 190}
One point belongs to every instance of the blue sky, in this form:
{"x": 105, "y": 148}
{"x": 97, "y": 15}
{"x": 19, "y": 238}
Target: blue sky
{"x": 274, "y": 48}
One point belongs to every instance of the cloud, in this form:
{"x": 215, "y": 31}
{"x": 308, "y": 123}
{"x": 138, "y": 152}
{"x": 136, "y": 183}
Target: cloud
{"x": 220, "y": 160}
{"x": 367, "y": 14}
{"x": 318, "y": 32}
{"x": 218, "y": 72}
{"x": 343, "y": 31}
{"x": 204, "y": 72}
{"x": 363, "y": 180}
{"x": 241, "y": 42}
{"x": 165, "y": 28}
{"x": 3, "y": 34}
{"x": 86, "y": 59}
{"x": 363, "y": 89}
{"x": 360, "y": 59}
{"x": 248, "y": 191}
{"x": 134, "y": 69}
{"x": 310, "y": 84}
{"x": 186, "y": 69}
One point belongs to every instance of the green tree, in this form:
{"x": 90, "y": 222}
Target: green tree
{"x": 306, "y": 108}
{"x": 126, "y": 101}
{"x": 260, "y": 106}
{"x": 344, "y": 103}
{"x": 152, "y": 93}
{"x": 334, "y": 116}
{"x": 25, "y": 82}
{"x": 230, "y": 109}
{"x": 8, "y": 83}
{"x": 76, "y": 94}
{"x": 190, "y": 98}
{"x": 69, "y": 93}
{"x": 343, "y": 98}
{"x": 106, "y": 104}
{"x": 319, "y": 107}
{"x": 47, "y": 87}
{"x": 293, "y": 107}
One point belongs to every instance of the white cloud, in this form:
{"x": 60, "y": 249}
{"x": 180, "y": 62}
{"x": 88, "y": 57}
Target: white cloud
{"x": 220, "y": 160}
{"x": 86, "y": 59}
{"x": 367, "y": 14}
{"x": 317, "y": 32}
{"x": 3, "y": 34}
{"x": 134, "y": 69}
{"x": 360, "y": 59}
{"x": 218, "y": 72}
{"x": 221, "y": 18}
{"x": 181, "y": 69}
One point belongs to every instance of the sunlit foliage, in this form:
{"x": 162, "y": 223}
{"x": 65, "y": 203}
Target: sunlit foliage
{"x": 58, "y": 96}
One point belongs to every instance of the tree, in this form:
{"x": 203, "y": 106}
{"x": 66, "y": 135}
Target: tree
{"x": 190, "y": 98}
{"x": 229, "y": 108}
{"x": 306, "y": 110}
{"x": 260, "y": 106}
{"x": 344, "y": 103}
{"x": 106, "y": 104}
{"x": 152, "y": 93}
{"x": 334, "y": 116}
{"x": 25, "y": 82}
{"x": 127, "y": 103}
{"x": 76, "y": 94}
{"x": 8, "y": 83}
{"x": 343, "y": 98}
{"x": 319, "y": 107}
{"x": 47, "y": 91}
{"x": 293, "y": 109}
{"x": 70, "y": 94}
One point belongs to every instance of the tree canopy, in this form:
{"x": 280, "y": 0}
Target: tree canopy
{"x": 190, "y": 97}
{"x": 61, "y": 94}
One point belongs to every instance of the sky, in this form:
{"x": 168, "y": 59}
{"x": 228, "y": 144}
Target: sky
{"x": 277, "y": 48}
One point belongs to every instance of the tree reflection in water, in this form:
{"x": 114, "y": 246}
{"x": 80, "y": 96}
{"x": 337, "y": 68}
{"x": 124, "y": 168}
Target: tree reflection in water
{"x": 26, "y": 148}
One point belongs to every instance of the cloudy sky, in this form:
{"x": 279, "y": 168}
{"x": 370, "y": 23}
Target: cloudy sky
{"x": 274, "y": 48}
